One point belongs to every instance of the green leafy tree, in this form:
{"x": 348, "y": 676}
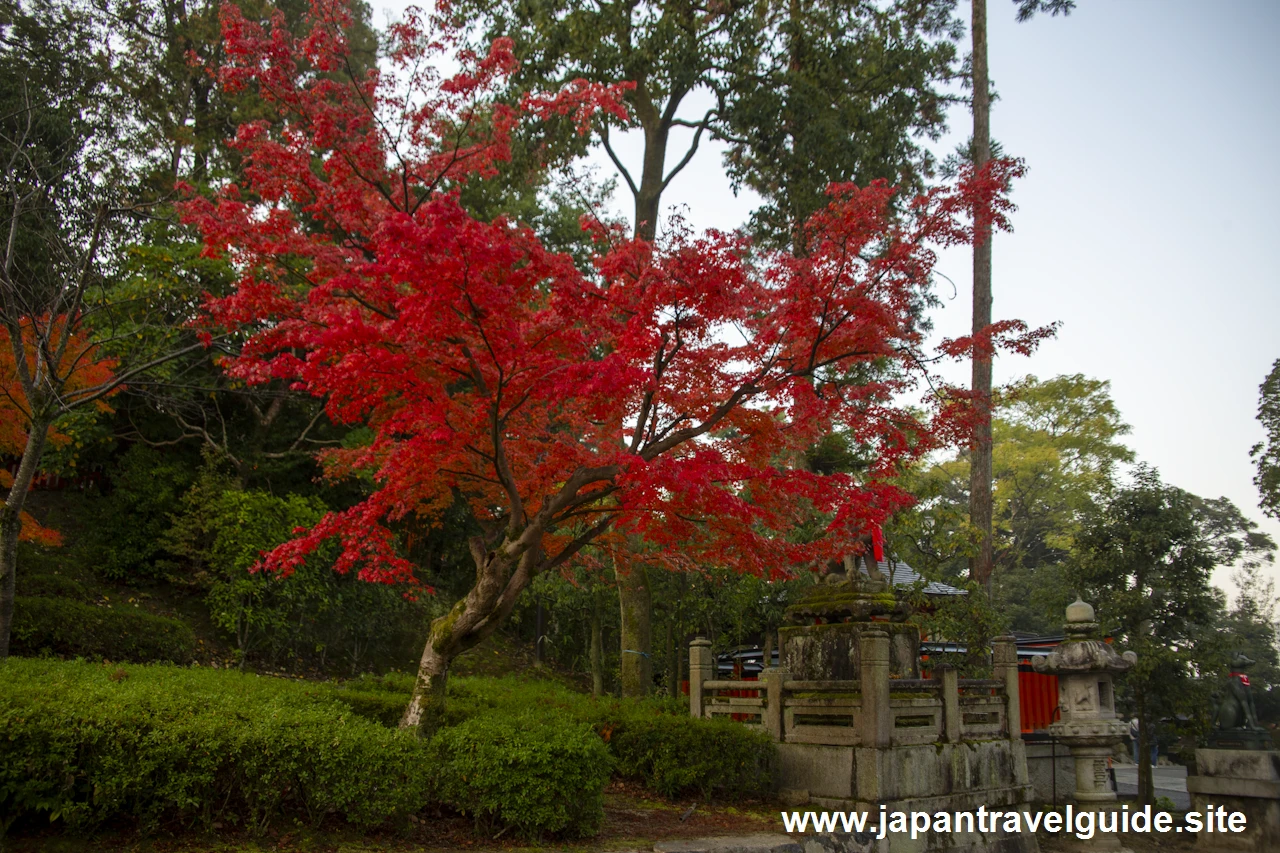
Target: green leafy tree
{"x": 1266, "y": 453}
{"x": 1144, "y": 558}
{"x": 1058, "y": 445}
{"x": 1250, "y": 626}
{"x": 222, "y": 532}
{"x": 822, "y": 70}
{"x": 843, "y": 91}
{"x": 68, "y": 202}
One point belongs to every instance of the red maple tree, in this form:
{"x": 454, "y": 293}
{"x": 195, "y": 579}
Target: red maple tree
{"x": 668, "y": 394}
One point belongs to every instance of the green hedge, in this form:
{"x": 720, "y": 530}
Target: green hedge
{"x": 382, "y": 708}
{"x": 88, "y": 743}
{"x": 52, "y": 586}
{"x": 163, "y": 746}
{"x": 654, "y": 741}
{"x": 531, "y": 771}
{"x": 675, "y": 755}
{"x": 75, "y": 629}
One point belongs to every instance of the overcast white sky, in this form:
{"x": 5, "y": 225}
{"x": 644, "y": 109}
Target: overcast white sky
{"x": 1146, "y": 222}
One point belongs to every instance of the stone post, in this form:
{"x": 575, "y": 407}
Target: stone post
{"x": 1004, "y": 656}
{"x": 951, "y": 722}
{"x": 701, "y": 667}
{"x": 774, "y": 678}
{"x": 876, "y": 717}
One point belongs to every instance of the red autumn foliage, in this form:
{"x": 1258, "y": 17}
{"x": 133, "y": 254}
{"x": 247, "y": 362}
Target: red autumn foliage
{"x": 668, "y": 395}
{"x": 80, "y": 369}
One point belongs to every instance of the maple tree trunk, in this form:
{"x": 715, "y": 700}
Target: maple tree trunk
{"x": 427, "y": 705}
{"x": 980, "y": 449}
{"x": 11, "y": 527}
{"x": 637, "y": 632}
{"x": 499, "y": 582}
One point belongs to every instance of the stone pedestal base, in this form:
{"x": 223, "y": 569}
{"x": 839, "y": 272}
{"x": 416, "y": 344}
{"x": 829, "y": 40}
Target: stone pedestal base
{"x": 950, "y": 777}
{"x": 1246, "y": 781}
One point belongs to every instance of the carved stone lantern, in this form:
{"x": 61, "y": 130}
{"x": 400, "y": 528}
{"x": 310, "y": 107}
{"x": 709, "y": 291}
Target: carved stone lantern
{"x": 1088, "y": 726}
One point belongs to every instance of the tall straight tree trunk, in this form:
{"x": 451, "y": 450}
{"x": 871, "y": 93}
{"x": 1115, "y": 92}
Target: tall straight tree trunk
{"x": 673, "y": 659}
{"x": 11, "y": 527}
{"x": 597, "y": 644}
{"x": 648, "y": 197}
{"x": 1146, "y": 784}
{"x": 980, "y": 448}
{"x": 636, "y": 607}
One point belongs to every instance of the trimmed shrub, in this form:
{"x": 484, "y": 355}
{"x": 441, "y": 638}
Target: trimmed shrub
{"x": 673, "y": 755}
{"x": 75, "y": 629}
{"x": 653, "y": 741}
{"x": 377, "y": 706}
{"x": 52, "y": 586}
{"x": 529, "y": 771}
{"x": 86, "y": 743}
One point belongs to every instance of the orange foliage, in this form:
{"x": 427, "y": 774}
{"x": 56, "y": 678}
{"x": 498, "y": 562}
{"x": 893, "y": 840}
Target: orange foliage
{"x": 76, "y": 370}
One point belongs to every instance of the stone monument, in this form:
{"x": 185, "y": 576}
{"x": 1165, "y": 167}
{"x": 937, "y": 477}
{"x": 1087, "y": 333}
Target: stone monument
{"x": 1088, "y": 725}
{"x": 1238, "y": 773}
{"x": 857, "y": 729}
{"x": 819, "y": 639}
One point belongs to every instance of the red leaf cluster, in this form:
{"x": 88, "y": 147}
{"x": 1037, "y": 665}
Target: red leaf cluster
{"x": 669, "y": 395}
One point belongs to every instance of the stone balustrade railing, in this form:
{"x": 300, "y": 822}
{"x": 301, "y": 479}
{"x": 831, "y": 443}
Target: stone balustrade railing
{"x": 874, "y": 710}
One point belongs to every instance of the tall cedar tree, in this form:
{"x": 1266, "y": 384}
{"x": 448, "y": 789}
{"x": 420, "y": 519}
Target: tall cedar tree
{"x": 980, "y": 508}
{"x": 656, "y": 399}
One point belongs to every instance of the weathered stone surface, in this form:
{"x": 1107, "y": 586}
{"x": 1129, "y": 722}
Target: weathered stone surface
{"x": 1052, "y": 776}
{"x": 1238, "y": 763}
{"x": 977, "y": 772}
{"x": 830, "y": 651}
{"x": 1246, "y": 781}
{"x": 1088, "y": 725}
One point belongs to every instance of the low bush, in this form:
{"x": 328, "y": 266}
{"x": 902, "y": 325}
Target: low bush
{"x": 76, "y": 629}
{"x": 52, "y": 586}
{"x": 653, "y": 741}
{"x": 530, "y": 771}
{"x": 673, "y": 755}
{"x": 379, "y": 706}
{"x": 88, "y": 743}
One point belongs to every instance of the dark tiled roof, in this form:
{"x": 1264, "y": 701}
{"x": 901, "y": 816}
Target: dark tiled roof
{"x": 902, "y": 575}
